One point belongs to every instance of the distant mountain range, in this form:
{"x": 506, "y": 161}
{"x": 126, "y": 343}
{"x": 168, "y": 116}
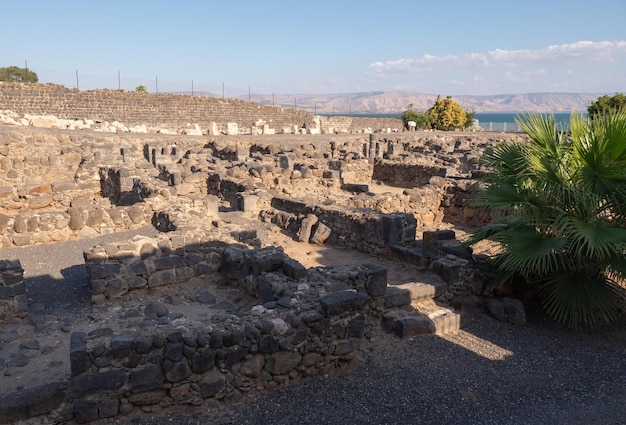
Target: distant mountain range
{"x": 397, "y": 101}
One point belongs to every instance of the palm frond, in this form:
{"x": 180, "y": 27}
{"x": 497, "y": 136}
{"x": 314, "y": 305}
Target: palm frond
{"x": 542, "y": 130}
{"x": 593, "y": 239}
{"x": 582, "y": 299}
{"x": 528, "y": 253}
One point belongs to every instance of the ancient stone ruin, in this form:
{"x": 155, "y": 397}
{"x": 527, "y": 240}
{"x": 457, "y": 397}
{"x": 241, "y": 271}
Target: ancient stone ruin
{"x": 211, "y": 306}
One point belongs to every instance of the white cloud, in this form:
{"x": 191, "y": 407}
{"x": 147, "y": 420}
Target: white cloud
{"x": 581, "y": 51}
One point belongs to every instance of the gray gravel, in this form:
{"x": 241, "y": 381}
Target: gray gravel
{"x": 500, "y": 374}
{"x": 488, "y": 373}
{"x": 55, "y": 275}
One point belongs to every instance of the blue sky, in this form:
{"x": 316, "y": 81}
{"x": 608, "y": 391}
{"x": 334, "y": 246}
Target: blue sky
{"x": 293, "y": 47}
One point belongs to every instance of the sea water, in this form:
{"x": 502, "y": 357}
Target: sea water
{"x": 500, "y": 117}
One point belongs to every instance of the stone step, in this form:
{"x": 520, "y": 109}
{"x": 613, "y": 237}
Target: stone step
{"x": 406, "y": 293}
{"x": 411, "y": 254}
{"x": 446, "y": 319}
{"x": 423, "y": 318}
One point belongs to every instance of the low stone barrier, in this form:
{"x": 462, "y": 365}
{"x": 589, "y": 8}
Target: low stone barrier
{"x": 73, "y": 223}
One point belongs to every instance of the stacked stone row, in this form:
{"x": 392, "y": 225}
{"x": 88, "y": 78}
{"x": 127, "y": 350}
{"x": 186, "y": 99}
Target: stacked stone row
{"x": 73, "y": 223}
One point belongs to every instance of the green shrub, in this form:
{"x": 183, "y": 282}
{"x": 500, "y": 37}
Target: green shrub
{"x": 563, "y": 202}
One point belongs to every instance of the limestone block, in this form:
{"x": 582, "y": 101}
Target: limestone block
{"x": 213, "y": 129}
{"x": 44, "y": 121}
{"x": 321, "y": 234}
{"x": 193, "y": 130}
{"x": 248, "y": 203}
{"x": 212, "y": 209}
{"x": 232, "y": 129}
{"x": 185, "y": 189}
{"x": 138, "y": 129}
{"x": 306, "y": 227}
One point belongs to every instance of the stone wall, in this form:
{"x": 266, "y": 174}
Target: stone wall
{"x": 306, "y": 323}
{"x": 73, "y": 223}
{"x": 164, "y": 110}
{"x": 406, "y": 175}
{"x": 368, "y": 230}
{"x": 13, "y": 301}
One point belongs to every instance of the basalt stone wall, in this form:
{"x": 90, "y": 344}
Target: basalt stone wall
{"x": 13, "y": 301}
{"x": 116, "y": 269}
{"x": 307, "y": 323}
{"x": 366, "y": 230}
{"x": 158, "y": 110}
{"x": 406, "y": 175}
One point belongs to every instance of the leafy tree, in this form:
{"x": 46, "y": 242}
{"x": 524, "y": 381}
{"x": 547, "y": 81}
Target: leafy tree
{"x": 563, "y": 202}
{"x": 446, "y": 114}
{"x": 17, "y": 74}
{"x": 421, "y": 119}
{"x": 605, "y": 103}
{"x": 141, "y": 88}
{"x": 469, "y": 119}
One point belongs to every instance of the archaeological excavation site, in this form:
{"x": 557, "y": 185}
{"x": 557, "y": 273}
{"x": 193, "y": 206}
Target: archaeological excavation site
{"x": 224, "y": 248}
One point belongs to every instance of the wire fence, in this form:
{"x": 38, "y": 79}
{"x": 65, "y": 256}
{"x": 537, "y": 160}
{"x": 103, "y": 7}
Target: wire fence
{"x": 500, "y": 126}
{"x": 118, "y": 80}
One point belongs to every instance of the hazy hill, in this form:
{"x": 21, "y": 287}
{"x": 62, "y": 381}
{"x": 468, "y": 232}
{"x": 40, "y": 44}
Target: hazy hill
{"x": 392, "y": 102}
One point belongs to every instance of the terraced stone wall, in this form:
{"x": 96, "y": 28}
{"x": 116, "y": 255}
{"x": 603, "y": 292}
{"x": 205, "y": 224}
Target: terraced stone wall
{"x": 169, "y": 110}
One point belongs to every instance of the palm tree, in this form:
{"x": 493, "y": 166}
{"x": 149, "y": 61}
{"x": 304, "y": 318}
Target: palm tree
{"x": 562, "y": 199}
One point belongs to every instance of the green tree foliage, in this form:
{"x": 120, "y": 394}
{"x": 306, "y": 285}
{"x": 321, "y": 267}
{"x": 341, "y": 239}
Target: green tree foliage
{"x": 606, "y": 103}
{"x": 18, "y": 75}
{"x": 446, "y": 114}
{"x": 469, "y": 119}
{"x": 141, "y": 88}
{"x": 563, "y": 202}
{"x": 421, "y": 119}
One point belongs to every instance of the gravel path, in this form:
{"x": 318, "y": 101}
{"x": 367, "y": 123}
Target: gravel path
{"x": 55, "y": 275}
